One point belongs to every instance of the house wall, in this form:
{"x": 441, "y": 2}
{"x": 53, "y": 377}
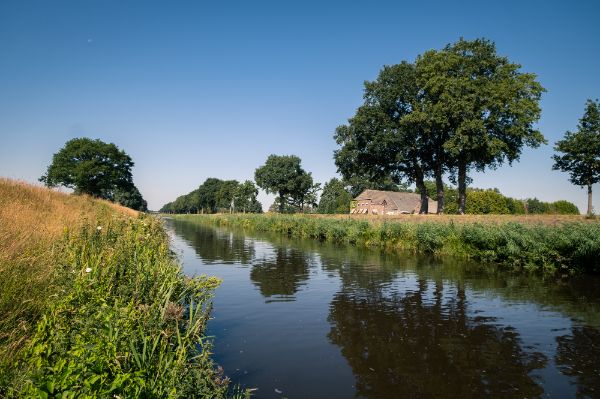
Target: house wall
{"x": 373, "y": 209}
{"x": 377, "y": 210}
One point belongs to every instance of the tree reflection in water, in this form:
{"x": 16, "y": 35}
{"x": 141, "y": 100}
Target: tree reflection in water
{"x": 578, "y": 356}
{"x": 214, "y": 245}
{"x": 281, "y": 273}
{"x": 415, "y": 345}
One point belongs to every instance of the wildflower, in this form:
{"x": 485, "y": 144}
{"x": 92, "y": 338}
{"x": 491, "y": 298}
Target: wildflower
{"x": 88, "y": 269}
{"x": 99, "y": 228}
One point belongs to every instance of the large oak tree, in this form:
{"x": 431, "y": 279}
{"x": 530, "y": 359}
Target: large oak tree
{"x": 485, "y": 106}
{"x": 95, "y": 168}
{"x": 283, "y": 175}
{"x": 383, "y": 141}
{"x": 454, "y": 110}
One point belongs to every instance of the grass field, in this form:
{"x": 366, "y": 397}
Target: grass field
{"x": 93, "y": 304}
{"x": 552, "y": 244}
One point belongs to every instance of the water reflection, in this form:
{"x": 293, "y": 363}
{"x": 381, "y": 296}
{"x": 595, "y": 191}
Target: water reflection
{"x": 578, "y": 355}
{"x": 350, "y": 322}
{"x": 280, "y": 273}
{"x": 422, "y": 344}
{"x": 214, "y": 245}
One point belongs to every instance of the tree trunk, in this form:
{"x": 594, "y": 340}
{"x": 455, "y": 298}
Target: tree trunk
{"x": 420, "y": 183}
{"x": 589, "y": 210}
{"x": 462, "y": 186}
{"x": 439, "y": 185}
{"x": 281, "y": 202}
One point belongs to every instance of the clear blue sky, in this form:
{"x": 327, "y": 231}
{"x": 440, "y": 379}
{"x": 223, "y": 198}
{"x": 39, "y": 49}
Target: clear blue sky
{"x": 198, "y": 89}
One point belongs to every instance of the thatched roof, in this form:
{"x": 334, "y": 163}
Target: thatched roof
{"x": 396, "y": 201}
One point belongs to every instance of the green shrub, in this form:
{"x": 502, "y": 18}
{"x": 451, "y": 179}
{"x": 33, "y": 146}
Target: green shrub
{"x": 486, "y": 202}
{"x": 564, "y": 208}
{"x": 536, "y": 207}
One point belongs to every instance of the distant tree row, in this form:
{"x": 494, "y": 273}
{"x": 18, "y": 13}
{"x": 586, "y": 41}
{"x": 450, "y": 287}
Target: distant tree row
{"x": 215, "y": 195}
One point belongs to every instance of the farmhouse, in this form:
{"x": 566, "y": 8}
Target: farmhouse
{"x": 376, "y": 202}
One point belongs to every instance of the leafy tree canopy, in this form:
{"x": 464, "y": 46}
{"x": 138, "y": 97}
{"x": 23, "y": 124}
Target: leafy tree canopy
{"x": 283, "y": 175}
{"x": 460, "y": 108}
{"x": 579, "y": 152}
{"x": 90, "y": 167}
{"x": 95, "y": 168}
{"x": 334, "y": 198}
{"x": 131, "y": 198}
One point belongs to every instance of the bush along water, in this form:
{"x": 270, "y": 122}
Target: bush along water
{"x": 127, "y": 323}
{"x": 568, "y": 248}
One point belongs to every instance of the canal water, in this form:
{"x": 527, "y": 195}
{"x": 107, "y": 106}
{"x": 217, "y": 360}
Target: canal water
{"x": 304, "y": 319}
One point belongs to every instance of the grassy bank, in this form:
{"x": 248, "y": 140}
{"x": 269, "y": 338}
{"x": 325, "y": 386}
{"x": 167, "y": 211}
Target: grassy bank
{"x": 93, "y": 304}
{"x": 566, "y": 247}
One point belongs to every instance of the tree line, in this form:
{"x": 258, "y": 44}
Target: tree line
{"x": 215, "y": 195}
{"x": 448, "y": 113}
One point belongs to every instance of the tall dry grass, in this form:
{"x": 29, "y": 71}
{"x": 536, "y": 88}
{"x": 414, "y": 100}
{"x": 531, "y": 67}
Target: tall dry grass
{"x": 93, "y": 304}
{"x": 33, "y": 220}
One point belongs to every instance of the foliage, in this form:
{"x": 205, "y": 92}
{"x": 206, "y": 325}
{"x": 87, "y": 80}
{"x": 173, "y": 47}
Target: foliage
{"x": 563, "y": 207}
{"x": 486, "y": 202}
{"x": 131, "y": 198}
{"x": 245, "y": 198}
{"x": 216, "y": 195}
{"x": 484, "y": 102}
{"x": 463, "y": 107}
{"x": 567, "y": 248}
{"x": 385, "y": 142}
{"x": 128, "y": 325}
{"x": 515, "y": 206}
{"x": 579, "y": 152}
{"x": 91, "y": 167}
{"x": 536, "y": 207}
{"x": 283, "y": 175}
{"x": 32, "y": 221}
{"x": 491, "y": 201}
{"x": 334, "y": 198}
{"x": 120, "y": 319}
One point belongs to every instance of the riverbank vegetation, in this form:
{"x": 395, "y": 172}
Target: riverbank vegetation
{"x": 570, "y": 246}
{"x": 93, "y": 304}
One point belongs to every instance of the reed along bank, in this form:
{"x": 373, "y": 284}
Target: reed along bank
{"x": 571, "y": 246}
{"x": 94, "y": 304}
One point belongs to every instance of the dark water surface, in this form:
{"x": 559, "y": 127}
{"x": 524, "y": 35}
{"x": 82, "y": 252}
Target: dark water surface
{"x": 303, "y": 319}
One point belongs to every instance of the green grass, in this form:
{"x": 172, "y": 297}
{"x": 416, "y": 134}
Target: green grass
{"x": 113, "y": 316}
{"x": 571, "y": 248}
{"x": 129, "y": 324}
